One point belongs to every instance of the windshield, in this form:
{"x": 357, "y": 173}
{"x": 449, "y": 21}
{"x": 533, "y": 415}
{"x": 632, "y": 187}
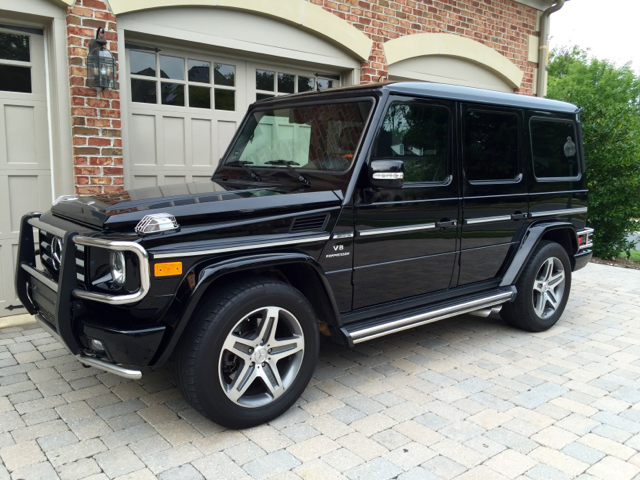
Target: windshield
{"x": 315, "y": 137}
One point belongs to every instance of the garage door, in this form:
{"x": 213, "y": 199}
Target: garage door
{"x": 184, "y": 107}
{"x": 25, "y": 175}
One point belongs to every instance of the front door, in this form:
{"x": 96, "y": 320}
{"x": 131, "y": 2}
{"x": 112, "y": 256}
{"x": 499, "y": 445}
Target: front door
{"x": 405, "y": 241}
{"x": 495, "y": 202}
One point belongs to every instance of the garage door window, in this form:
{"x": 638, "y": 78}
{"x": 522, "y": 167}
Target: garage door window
{"x": 181, "y": 82}
{"x": 271, "y": 83}
{"x": 15, "y": 67}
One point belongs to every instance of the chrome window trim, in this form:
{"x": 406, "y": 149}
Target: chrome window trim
{"x": 566, "y": 211}
{"x": 385, "y": 231}
{"x": 278, "y": 243}
{"x": 498, "y": 218}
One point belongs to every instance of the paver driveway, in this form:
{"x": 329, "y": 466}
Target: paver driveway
{"x": 466, "y": 398}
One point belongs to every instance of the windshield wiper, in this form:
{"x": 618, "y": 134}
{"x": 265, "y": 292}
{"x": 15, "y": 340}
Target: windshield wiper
{"x": 291, "y": 170}
{"x": 243, "y": 165}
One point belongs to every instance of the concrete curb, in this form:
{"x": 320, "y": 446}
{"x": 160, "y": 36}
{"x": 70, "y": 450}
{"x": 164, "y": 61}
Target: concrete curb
{"x": 17, "y": 320}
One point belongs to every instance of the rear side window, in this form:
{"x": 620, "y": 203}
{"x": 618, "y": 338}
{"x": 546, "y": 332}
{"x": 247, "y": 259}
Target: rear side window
{"x": 490, "y": 146}
{"x": 555, "y": 153}
{"x": 417, "y": 134}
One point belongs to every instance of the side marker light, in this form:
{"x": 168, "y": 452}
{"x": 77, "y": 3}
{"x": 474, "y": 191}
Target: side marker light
{"x": 167, "y": 269}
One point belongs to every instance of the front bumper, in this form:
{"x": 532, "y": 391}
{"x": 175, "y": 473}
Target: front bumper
{"x": 59, "y": 305}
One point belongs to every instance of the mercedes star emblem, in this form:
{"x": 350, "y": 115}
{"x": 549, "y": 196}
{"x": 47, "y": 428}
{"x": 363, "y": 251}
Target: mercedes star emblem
{"x": 56, "y": 252}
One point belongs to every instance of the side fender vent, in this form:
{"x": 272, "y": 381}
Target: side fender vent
{"x": 312, "y": 222}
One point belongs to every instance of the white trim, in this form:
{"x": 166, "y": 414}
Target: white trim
{"x": 446, "y": 44}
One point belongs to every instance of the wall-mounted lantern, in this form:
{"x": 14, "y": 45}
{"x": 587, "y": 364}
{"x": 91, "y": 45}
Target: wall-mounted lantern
{"x": 101, "y": 66}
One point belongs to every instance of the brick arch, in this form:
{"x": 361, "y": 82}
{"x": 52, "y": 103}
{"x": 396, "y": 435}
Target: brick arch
{"x": 298, "y": 12}
{"x": 444, "y": 44}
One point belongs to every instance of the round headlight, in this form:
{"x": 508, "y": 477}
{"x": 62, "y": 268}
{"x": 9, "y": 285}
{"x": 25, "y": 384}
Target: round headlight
{"x": 118, "y": 269}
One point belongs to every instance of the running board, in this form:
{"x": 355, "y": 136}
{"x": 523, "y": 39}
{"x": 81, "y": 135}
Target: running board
{"x": 369, "y": 329}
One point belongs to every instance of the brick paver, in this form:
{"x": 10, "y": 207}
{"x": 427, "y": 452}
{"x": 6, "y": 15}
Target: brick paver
{"x": 464, "y": 398}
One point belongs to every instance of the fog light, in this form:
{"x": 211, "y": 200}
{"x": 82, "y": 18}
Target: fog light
{"x": 96, "y": 345}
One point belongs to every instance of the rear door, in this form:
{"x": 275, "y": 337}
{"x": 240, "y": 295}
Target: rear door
{"x": 495, "y": 200}
{"x": 405, "y": 241}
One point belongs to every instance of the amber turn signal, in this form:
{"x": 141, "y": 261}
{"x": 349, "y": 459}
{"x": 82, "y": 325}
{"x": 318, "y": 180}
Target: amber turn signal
{"x": 167, "y": 269}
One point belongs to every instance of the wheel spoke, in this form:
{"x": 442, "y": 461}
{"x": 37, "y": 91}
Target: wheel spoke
{"x": 548, "y": 269}
{"x": 537, "y": 285}
{"x": 240, "y": 347}
{"x": 285, "y": 348}
{"x": 556, "y": 279}
{"x": 272, "y": 380}
{"x": 552, "y": 300}
{"x": 244, "y": 379}
{"x": 539, "y": 303}
{"x": 269, "y": 324}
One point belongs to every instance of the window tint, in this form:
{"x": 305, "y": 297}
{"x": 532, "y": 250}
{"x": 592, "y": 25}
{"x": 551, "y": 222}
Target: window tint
{"x": 554, "y": 148}
{"x": 490, "y": 145}
{"x": 418, "y": 135}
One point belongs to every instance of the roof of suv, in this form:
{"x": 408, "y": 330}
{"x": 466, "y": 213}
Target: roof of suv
{"x": 450, "y": 92}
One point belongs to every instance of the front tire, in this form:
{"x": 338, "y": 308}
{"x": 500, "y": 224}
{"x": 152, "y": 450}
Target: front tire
{"x": 543, "y": 289}
{"x": 249, "y": 353}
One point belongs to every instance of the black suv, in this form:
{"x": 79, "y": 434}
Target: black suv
{"x": 355, "y": 213}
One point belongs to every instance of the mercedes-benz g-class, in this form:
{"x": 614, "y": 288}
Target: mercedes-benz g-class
{"x": 356, "y": 212}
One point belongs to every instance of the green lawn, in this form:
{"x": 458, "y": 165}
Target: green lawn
{"x": 635, "y": 255}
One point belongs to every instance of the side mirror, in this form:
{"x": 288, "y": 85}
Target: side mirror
{"x": 386, "y": 173}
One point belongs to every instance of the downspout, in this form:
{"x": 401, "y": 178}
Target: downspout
{"x": 541, "y": 81}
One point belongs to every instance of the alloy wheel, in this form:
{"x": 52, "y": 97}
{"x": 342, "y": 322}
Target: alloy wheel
{"x": 261, "y": 357}
{"x": 548, "y": 287}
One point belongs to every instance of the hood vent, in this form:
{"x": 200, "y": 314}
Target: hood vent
{"x": 312, "y": 222}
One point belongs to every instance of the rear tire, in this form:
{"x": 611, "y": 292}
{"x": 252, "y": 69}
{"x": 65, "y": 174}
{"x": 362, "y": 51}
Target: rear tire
{"x": 249, "y": 353}
{"x": 543, "y": 289}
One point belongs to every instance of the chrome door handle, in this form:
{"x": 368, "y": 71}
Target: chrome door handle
{"x": 519, "y": 216}
{"x": 446, "y": 224}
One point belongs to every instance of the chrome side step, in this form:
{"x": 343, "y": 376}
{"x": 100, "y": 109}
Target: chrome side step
{"x": 368, "y": 330}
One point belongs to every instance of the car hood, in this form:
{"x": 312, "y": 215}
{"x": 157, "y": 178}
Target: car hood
{"x": 190, "y": 203}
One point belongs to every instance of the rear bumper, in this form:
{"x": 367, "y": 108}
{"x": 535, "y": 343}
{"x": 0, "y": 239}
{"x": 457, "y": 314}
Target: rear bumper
{"x": 581, "y": 259}
{"x": 60, "y": 307}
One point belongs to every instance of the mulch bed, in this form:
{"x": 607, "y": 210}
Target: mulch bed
{"x": 617, "y": 262}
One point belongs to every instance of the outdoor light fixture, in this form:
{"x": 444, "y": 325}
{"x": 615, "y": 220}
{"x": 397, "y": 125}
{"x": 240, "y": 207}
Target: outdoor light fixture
{"x": 101, "y": 66}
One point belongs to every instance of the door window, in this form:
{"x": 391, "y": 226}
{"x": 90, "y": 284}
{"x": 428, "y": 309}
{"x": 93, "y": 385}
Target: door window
{"x": 555, "y": 153}
{"x": 15, "y": 68}
{"x": 417, "y": 134}
{"x": 490, "y": 146}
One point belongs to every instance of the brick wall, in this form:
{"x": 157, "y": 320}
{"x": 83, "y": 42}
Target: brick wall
{"x": 502, "y": 25}
{"x": 95, "y": 114}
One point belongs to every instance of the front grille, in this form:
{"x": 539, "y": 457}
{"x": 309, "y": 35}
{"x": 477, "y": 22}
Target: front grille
{"x": 81, "y": 266}
{"x": 51, "y": 255}
{"x": 46, "y": 255}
